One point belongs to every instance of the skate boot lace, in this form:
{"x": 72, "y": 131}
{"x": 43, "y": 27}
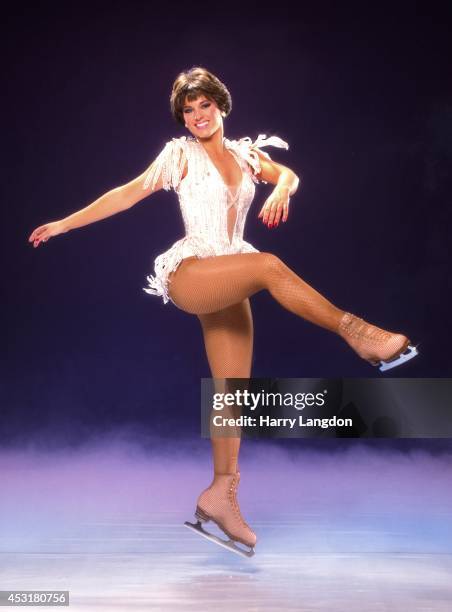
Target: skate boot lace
{"x": 235, "y": 505}
{"x": 359, "y": 329}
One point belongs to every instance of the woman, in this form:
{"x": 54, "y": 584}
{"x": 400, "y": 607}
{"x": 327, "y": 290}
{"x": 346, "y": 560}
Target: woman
{"x": 212, "y": 271}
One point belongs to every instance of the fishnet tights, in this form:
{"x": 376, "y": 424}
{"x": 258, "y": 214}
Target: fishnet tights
{"x": 217, "y": 290}
{"x": 209, "y": 285}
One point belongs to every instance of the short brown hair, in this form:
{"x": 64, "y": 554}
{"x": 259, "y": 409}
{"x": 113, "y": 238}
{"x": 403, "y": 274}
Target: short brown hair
{"x": 192, "y": 84}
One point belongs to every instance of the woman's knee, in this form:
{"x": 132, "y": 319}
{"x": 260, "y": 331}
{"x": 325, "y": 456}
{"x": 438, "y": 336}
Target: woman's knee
{"x": 272, "y": 264}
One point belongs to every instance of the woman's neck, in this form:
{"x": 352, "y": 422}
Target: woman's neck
{"x": 214, "y": 144}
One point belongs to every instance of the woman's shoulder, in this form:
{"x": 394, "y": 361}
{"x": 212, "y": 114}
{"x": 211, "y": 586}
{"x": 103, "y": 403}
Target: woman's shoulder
{"x": 245, "y": 143}
{"x": 176, "y": 144}
{"x": 170, "y": 164}
{"x": 250, "y": 150}
{"x": 181, "y": 141}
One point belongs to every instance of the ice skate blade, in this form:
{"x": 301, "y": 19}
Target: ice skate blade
{"x": 409, "y": 353}
{"x": 230, "y": 544}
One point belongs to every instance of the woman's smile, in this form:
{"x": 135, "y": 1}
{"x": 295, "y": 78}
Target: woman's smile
{"x": 202, "y": 116}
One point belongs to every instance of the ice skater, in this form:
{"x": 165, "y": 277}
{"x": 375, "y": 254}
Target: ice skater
{"x": 212, "y": 271}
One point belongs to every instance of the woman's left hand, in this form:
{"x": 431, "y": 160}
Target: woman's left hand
{"x": 275, "y": 206}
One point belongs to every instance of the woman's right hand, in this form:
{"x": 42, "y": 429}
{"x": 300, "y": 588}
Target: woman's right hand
{"x": 44, "y": 232}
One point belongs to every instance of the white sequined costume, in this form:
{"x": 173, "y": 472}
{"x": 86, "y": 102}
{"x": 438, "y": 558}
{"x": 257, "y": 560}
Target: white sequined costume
{"x": 207, "y": 204}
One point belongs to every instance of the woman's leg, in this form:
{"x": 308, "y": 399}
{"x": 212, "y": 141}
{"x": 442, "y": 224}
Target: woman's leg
{"x": 203, "y": 286}
{"x": 228, "y": 338}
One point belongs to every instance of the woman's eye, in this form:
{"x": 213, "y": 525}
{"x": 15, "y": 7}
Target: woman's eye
{"x": 205, "y": 105}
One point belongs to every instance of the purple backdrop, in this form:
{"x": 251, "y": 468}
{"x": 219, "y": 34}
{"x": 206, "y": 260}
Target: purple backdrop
{"x": 365, "y": 104}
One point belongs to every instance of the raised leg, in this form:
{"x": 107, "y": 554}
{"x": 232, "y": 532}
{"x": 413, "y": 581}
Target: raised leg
{"x": 204, "y": 286}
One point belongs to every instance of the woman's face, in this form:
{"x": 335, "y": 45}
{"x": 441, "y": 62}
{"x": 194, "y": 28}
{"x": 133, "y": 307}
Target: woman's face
{"x": 202, "y": 116}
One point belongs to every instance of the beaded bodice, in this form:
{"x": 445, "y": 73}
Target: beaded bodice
{"x": 213, "y": 213}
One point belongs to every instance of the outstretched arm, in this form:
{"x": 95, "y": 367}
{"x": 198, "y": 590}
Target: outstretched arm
{"x": 110, "y": 203}
{"x": 286, "y": 184}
